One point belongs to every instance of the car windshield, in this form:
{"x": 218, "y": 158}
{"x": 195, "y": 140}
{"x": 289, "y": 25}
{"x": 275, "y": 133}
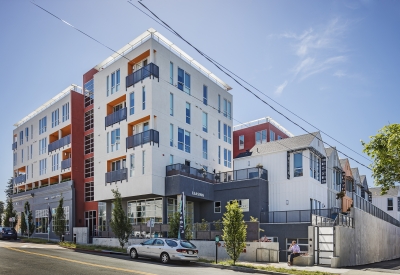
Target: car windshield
{"x": 187, "y": 244}
{"x": 6, "y": 229}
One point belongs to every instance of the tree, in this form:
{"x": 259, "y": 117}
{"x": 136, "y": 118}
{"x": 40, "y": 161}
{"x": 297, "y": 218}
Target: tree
{"x": 9, "y": 188}
{"x": 120, "y": 224}
{"x": 23, "y": 224}
{"x": 59, "y": 219}
{"x": 384, "y": 149}
{"x": 234, "y": 231}
{"x": 31, "y": 224}
{"x": 1, "y": 212}
{"x": 9, "y": 213}
{"x": 173, "y": 221}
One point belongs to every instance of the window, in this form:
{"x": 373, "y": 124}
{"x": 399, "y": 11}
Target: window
{"x": 42, "y": 125}
{"x": 89, "y": 120}
{"x": 89, "y": 191}
{"x": 132, "y": 103}
{"x": 89, "y": 169}
{"x": 227, "y": 133}
{"x": 241, "y": 142}
{"x": 21, "y": 137}
{"x": 298, "y": 164}
{"x": 183, "y": 81}
{"x": 115, "y": 140}
{"x": 41, "y": 220}
{"x": 171, "y": 73}
{"x": 225, "y": 106}
{"x": 229, "y": 110}
{"x": 42, "y": 146}
{"x": 118, "y": 80}
{"x": 27, "y": 171}
{"x": 171, "y": 104}
{"x": 227, "y": 158}
{"x": 22, "y": 155}
{"x": 217, "y": 207}
{"x": 112, "y": 83}
{"x": 171, "y": 159}
{"x": 205, "y": 94}
{"x": 89, "y": 143}
{"x": 15, "y": 159}
{"x": 205, "y": 122}
{"x": 219, "y": 129}
{"x": 55, "y": 116}
{"x": 205, "y": 145}
{"x": 42, "y": 166}
{"x": 31, "y": 150}
{"x": 261, "y": 137}
{"x": 315, "y": 167}
{"x": 141, "y": 211}
{"x": 143, "y": 160}
{"x": 219, "y": 154}
{"x": 27, "y": 133}
{"x": 183, "y": 140}
{"x": 271, "y": 135}
{"x": 31, "y": 131}
{"x": 54, "y": 162}
{"x": 279, "y": 137}
{"x": 108, "y": 85}
{"x": 132, "y": 167}
{"x": 390, "y": 204}
{"x": 89, "y": 93}
{"x": 171, "y": 135}
{"x": 219, "y": 103}
{"x": 31, "y": 170}
{"x": 27, "y": 152}
{"x": 187, "y": 113}
{"x": 143, "y": 98}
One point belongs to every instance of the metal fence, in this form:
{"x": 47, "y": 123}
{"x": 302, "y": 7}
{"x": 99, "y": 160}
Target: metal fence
{"x": 368, "y": 207}
{"x": 59, "y": 143}
{"x": 143, "y": 138}
{"x": 117, "y": 175}
{"x": 321, "y": 221}
{"x": 296, "y": 216}
{"x": 242, "y": 174}
{"x": 20, "y": 179}
{"x": 65, "y": 164}
{"x": 344, "y": 220}
{"x": 14, "y": 146}
{"x": 115, "y": 117}
{"x": 146, "y": 71}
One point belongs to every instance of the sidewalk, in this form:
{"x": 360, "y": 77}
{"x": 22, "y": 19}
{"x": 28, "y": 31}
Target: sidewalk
{"x": 307, "y": 268}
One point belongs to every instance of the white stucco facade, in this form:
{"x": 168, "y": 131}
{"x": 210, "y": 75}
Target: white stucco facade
{"x": 383, "y": 201}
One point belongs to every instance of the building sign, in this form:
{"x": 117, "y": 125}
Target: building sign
{"x": 323, "y": 170}
{"x": 343, "y": 187}
{"x": 198, "y": 194}
{"x": 288, "y": 165}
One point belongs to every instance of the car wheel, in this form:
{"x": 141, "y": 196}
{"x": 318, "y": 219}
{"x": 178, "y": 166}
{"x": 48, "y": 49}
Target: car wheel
{"x": 133, "y": 254}
{"x": 164, "y": 258}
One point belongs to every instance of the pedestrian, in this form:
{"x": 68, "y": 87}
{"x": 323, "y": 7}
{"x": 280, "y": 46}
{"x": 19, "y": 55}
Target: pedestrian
{"x": 295, "y": 249}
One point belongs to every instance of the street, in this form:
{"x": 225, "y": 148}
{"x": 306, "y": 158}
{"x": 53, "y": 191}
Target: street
{"x": 27, "y": 258}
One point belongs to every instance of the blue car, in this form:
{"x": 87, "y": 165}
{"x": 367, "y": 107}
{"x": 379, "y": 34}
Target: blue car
{"x": 8, "y": 233}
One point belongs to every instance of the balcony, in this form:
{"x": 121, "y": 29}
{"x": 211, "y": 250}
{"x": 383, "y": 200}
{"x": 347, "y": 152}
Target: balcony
{"x": 137, "y": 76}
{"x": 143, "y": 138}
{"x": 65, "y": 164}
{"x": 59, "y": 143}
{"x": 14, "y": 146}
{"x": 242, "y": 174}
{"x": 116, "y": 117}
{"x": 118, "y": 175}
{"x": 20, "y": 179}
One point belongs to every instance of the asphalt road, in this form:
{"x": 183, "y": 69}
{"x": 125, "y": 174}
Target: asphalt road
{"x": 34, "y": 259}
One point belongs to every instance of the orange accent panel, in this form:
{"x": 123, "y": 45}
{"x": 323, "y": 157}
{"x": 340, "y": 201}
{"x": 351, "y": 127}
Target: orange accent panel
{"x": 140, "y": 120}
{"x": 112, "y": 160}
{"x": 346, "y": 203}
{"x": 66, "y": 131}
{"x": 116, "y": 101}
{"x": 136, "y": 60}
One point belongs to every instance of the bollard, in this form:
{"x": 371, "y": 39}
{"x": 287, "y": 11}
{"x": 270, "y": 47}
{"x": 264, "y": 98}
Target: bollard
{"x": 74, "y": 238}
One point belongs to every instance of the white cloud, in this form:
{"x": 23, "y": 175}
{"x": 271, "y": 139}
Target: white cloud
{"x": 281, "y": 87}
{"x": 339, "y": 73}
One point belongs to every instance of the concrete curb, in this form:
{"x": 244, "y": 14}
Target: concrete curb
{"x": 240, "y": 269}
{"x": 96, "y": 251}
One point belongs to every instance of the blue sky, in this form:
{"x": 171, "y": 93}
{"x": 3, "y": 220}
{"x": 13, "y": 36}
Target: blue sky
{"x": 334, "y": 63}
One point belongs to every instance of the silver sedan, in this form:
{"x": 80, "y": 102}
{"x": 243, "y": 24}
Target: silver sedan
{"x": 165, "y": 249}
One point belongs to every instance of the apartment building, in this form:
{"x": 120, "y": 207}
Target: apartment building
{"x": 389, "y": 203}
{"x": 333, "y": 178}
{"x": 255, "y": 132}
{"x": 48, "y": 147}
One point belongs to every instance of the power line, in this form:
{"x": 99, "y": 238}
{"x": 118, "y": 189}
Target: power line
{"x": 239, "y": 83}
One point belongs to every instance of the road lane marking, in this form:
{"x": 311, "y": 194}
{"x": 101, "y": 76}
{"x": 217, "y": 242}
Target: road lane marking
{"x": 80, "y": 262}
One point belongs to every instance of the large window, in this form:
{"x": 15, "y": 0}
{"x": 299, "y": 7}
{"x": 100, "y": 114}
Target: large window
{"x": 183, "y": 81}
{"x": 115, "y": 81}
{"x": 118, "y": 76}
{"x": 42, "y": 125}
{"x": 205, "y": 122}
{"x": 219, "y": 154}
{"x": 89, "y": 191}
{"x": 390, "y": 204}
{"x": 143, "y": 161}
{"x": 142, "y": 211}
{"x": 187, "y": 113}
{"x": 227, "y": 133}
{"x": 42, "y": 166}
{"x": 89, "y": 168}
{"x": 298, "y": 164}
{"x": 205, "y": 149}
{"x": 132, "y": 167}
{"x": 315, "y": 166}
{"x": 89, "y": 120}
{"x": 183, "y": 140}
{"x": 171, "y": 135}
{"x": 22, "y": 155}
{"x": 171, "y": 73}
{"x": 42, "y": 146}
{"x": 54, "y": 162}
{"x": 271, "y": 135}
{"x": 227, "y": 108}
{"x": 241, "y": 142}
{"x": 219, "y": 103}
{"x": 171, "y": 104}
{"x": 66, "y": 214}
{"x": 132, "y": 103}
{"x": 15, "y": 159}
{"x": 227, "y": 158}
{"x": 143, "y": 98}
{"x": 205, "y": 94}
{"x": 55, "y": 118}
{"x": 261, "y": 137}
{"x": 65, "y": 112}
{"x": 115, "y": 140}
{"x": 21, "y": 137}
{"x": 219, "y": 129}
{"x": 27, "y": 133}
{"x": 89, "y": 93}
{"x": 217, "y": 207}
{"x": 89, "y": 143}
{"x": 173, "y": 206}
{"x": 41, "y": 220}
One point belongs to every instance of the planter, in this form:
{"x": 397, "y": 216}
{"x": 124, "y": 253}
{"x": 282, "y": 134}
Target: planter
{"x": 203, "y": 235}
{"x": 215, "y": 233}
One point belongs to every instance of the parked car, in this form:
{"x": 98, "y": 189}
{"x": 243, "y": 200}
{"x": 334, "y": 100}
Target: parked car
{"x": 165, "y": 249}
{"x": 8, "y": 233}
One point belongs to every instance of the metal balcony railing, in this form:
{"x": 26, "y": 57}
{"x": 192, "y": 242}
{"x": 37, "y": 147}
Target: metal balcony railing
{"x": 20, "y": 179}
{"x": 147, "y": 71}
{"x": 59, "y": 143}
{"x": 65, "y": 164}
{"x": 14, "y": 146}
{"x": 242, "y": 174}
{"x": 118, "y": 175}
{"x": 116, "y": 117}
{"x": 143, "y": 138}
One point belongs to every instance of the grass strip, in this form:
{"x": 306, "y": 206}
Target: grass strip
{"x": 91, "y": 247}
